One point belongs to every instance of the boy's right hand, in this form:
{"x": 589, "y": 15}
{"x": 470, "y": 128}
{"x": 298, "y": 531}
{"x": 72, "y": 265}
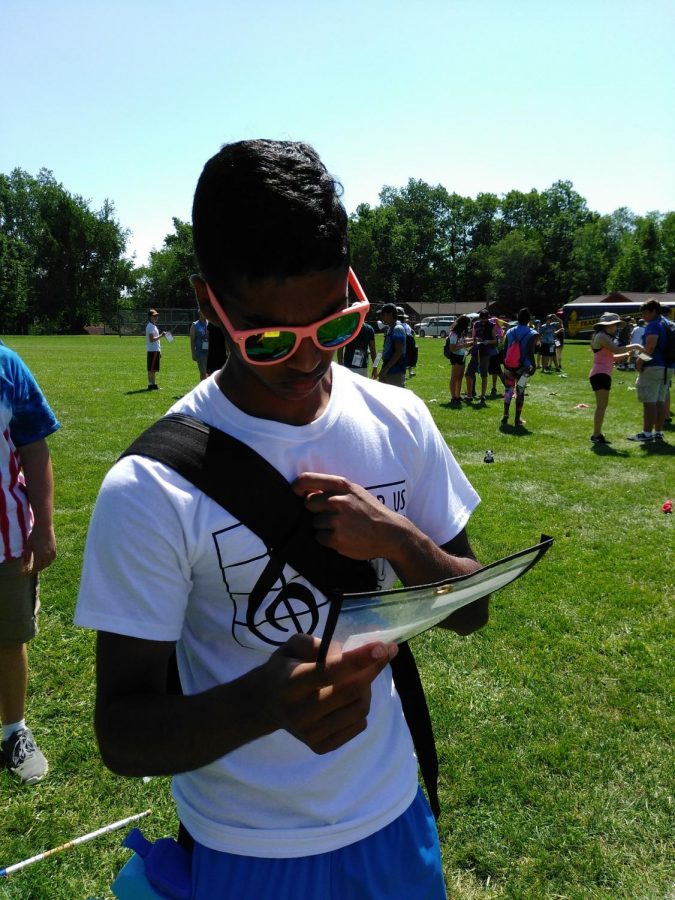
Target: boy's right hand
{"x": 322, "y": 706}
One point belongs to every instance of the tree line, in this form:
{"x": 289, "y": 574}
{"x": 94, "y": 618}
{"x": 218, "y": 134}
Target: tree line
{"x": 63, "y": 264}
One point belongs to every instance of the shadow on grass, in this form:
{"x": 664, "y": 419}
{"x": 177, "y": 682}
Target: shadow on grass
{"x": 658, "y": 448}
{"x": 152, "y": 394}
{"x": 604, "y": 450}
{"x": 516, "y": 430}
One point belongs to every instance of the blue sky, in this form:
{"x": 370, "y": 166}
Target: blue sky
{"x": 126, "y": 100}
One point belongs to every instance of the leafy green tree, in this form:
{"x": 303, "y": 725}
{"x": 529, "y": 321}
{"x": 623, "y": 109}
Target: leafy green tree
{"x": 515, "y": 264}
{"x": 165, "y": 281}
{"x": 61, "y": 263}
{"x": 668, "y": 250}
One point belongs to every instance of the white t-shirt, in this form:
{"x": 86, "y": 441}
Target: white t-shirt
{"x": 151, "y": 337}
{"x": 165, "y": 562}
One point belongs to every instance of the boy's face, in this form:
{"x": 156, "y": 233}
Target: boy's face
{"x": 297, "y": 389}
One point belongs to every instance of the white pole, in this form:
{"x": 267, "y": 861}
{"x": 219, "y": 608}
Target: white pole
{"x": 114, "y": 826}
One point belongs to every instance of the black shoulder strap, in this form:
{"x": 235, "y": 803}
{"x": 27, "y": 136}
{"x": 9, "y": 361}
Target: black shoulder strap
{"x": 255, "y": 493}
{"x": 258, "y": 495}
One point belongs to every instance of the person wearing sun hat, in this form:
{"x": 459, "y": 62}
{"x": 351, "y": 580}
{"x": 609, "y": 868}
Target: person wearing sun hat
{"x": 600, "y": 376}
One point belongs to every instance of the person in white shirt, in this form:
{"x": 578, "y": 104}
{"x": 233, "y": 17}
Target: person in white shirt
{"x": 288, "y": 775}
{"x": 153, "y": 348}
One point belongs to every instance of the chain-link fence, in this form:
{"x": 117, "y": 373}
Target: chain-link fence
{"x": 133, "y": 321}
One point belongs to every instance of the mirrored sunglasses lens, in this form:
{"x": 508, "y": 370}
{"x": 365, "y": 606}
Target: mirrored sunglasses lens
{"x": 269, "y": 345}
{"x": 338, "y": 330}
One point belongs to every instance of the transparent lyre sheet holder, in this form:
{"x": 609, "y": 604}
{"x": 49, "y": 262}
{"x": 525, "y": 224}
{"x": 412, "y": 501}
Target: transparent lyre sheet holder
{"x": 402, "y": 613}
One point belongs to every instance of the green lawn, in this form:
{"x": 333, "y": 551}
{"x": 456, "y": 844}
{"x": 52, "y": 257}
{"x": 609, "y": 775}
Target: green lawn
{"x": 554, "y": 723}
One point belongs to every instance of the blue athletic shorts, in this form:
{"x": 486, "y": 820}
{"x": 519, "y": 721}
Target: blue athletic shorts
{"x": 400, "y": 862}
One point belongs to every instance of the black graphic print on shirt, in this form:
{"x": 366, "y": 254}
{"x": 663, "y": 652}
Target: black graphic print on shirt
{"x": 292, "y": 605}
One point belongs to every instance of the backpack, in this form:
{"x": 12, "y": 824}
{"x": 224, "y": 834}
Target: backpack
{"x": 447, "y": 352}
{"x": 669, "y": 349}
{"x": 410, "y": 347}
{"x": 518, "y": 352}
{"x": 513, "y": 358}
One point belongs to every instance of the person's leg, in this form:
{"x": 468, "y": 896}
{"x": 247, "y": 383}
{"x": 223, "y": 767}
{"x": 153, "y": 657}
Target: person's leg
{"x": 520, "y": 402}
{"x": 601, "y": 401}
{"x": 470, "y": 386}
{"x": 456, "y": 382}
{"x": 151, "y": 368}
{"x": 13, "y": 682}
{"x": 509, "y": 385}
{"x": 648, "y": 417}
{"x": 18, "y": 625}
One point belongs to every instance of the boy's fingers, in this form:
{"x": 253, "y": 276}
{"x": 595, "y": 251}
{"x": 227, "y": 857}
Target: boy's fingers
{"x": 312, "y": 482}
{"x": 340, "y": 667}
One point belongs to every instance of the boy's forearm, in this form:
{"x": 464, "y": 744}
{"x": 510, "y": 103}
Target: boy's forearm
{"x": 37, "y": 470}
{"x": 151, "y": 734}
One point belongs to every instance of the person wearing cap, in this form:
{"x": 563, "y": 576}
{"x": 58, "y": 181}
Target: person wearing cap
{"x": 653, "y": 381}
{"x": 411, "y": 351}
{"x": 600, "y": 376}
{"x": 393, "y": 352}
{"x": 153, "y": 348}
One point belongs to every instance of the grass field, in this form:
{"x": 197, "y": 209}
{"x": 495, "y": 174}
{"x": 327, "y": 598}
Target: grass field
{"x": 554, "y": 723}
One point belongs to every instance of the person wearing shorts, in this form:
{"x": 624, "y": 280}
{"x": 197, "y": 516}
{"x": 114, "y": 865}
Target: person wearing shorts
{"x": 27, "y": 545}
{"x": 455, "y": 349}
{"x": 653, "y": 382}
{"x": 153, "y": 348}
{"x": 547, "y": 334}
{"x": 600, "y": 376}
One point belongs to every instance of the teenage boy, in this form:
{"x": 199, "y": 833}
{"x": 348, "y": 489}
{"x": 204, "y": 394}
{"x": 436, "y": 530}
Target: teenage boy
{"x": 153, "y": 348}
{"x": 27, "y": 545}
{"x": 294, "y": 779}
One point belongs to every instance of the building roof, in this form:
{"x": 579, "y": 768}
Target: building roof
{"x": 626, "y": 297}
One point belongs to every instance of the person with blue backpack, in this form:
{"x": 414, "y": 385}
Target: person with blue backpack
{"x": 519, "y": 365}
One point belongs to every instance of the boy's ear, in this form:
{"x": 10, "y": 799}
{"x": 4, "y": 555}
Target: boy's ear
{"x": 201, "y": 294}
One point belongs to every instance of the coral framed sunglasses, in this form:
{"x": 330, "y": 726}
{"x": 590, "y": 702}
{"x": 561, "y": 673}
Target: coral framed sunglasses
{"x": 275, "y": 343}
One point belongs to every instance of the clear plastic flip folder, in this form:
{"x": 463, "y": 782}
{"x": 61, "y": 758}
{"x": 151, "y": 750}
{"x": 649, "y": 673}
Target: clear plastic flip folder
{"x": 400, "y": 614}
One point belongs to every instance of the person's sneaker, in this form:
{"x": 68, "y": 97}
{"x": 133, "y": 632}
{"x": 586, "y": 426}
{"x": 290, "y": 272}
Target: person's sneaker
{"x": 643, "y": 436}
{"x": 23, "y": 757}
{"x": 599, "y": 439}
{"x": 658, "y": 436}
{"x": 493, "y": 392}
{"x": 505, "y": 420}
{"x": 520, "y": 422}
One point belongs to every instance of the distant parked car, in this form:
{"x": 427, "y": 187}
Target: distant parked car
{"x": 435, "y": 326}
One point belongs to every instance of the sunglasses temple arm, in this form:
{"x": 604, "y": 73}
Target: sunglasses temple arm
{"x": 356, "y": 285}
